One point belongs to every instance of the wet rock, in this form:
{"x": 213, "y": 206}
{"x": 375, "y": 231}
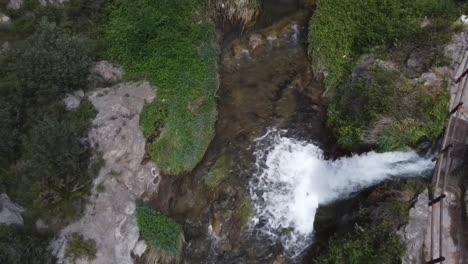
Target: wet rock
{"x": 104, "y": 72}
{"x": 10, "y": 213}
{"x": 109, "y": 218}
{"x": 15, "y": 4}
{"x": 414, "y": 232}
{"x": 140, "y": 248}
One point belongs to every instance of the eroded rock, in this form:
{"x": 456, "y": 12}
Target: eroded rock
{"x": 109, "y": 218}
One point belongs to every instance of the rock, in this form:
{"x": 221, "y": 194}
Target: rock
{"x": 40, "y": 224}
{"x": 5, "y": 47}
{"x": 140, "y": 248}
{"x": 106, "y": 72}
{"x": 280, "y": 260}
{"x": 386, "y": 65}
{"x": 10, "y": 213}
{"x": 109, "y": 217}
{"x": 72, "y": 102}
{"x": 5, "y": 21}
{"x": 15, "y": 4}
{"x": 414, "y": 232}
{"x": 256, "y": 40}
{"x": 429, "y": 79}
{"x": 417, "y": 60}
{"x": 426, "y": 22}
{"x": 55, "y": 3}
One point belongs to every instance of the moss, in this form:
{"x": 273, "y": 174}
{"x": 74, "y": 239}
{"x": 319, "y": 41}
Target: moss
{"x": 78, "y": 247}
{"x": 219, "y": 172}
{"x": 171, "y": 44}
{"x": 244, "y": 212}
{"x": 160, "y": 231}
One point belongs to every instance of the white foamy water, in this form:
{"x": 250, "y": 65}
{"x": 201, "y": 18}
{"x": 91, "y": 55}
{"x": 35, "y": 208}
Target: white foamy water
{"x": 293, "y": 179}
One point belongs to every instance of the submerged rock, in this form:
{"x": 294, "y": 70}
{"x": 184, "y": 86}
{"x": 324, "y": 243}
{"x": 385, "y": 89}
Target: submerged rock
{"x": 109, "y": 218}
{"x": 10, "y": 213}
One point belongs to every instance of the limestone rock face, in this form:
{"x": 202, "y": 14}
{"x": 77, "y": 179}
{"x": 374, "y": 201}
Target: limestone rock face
{"x": 414, "y": 232}
{"x": 10, "y": 213}
{"x": 109, "y": 218}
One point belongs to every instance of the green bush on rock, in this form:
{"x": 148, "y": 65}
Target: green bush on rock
{"x": 160, "y": 232}
{"x": 79, "y": 247}
{"x": 171, "y": 44}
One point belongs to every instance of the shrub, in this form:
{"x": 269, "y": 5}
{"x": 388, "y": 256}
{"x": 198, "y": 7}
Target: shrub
{"x": 171, "y": 44}
{"x": 78, "y": 247}
{"x": 51, "y": 63}
{"x": 160, "y": 231}
{"x": 19, "y": 246}
{"x": 368, "y": 244}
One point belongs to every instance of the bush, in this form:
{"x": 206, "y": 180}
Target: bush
{"x": 368, "y": 244}
{"x": 78, "y": 247}
{"x": 160, "y": 231}
{"x": 51, "y": 63}
{"x": 52, "y": 178}
{"x": 171, "y": 44}
{"x": 19, "y": 246}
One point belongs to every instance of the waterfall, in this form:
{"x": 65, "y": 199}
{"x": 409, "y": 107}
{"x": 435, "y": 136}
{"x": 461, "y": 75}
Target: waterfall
{"x": 293, "y": 179}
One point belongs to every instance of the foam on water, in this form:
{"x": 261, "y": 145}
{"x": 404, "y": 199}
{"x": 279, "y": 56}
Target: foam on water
{"x": 293, "y": 179}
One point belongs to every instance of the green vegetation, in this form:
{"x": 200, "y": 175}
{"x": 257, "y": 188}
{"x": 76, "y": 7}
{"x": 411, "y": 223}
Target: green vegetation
{"x": 160, "y": 231}
{"x": 382, "y": 109}
{"x": 387, "y": 112}
{"x": 19, "y": 246}
{"x": 219, "y": 172}
{"x": 171, "y": 44}
{"x": 244, "y": 212}
{"x": 78, "y": 247}
{"x": 341, "y": 30}
{"x": 374, "y": 243}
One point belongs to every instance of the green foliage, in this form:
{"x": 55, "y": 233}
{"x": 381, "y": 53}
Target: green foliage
{"x": 412, "y": 112}
{"x": 19, "y": 246}
{"x": 370, "y": 244}
{"x": 341, "y": 30}
{"x": 218, "y": 172}
{"x": 78, "y": 247}
{"x": 51, "y": 63}
{"x": 153, "y": 119}
{"x": 52, "y": 178}
{"x": 160, "y": 231}
{"x": 171, "y": 44}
